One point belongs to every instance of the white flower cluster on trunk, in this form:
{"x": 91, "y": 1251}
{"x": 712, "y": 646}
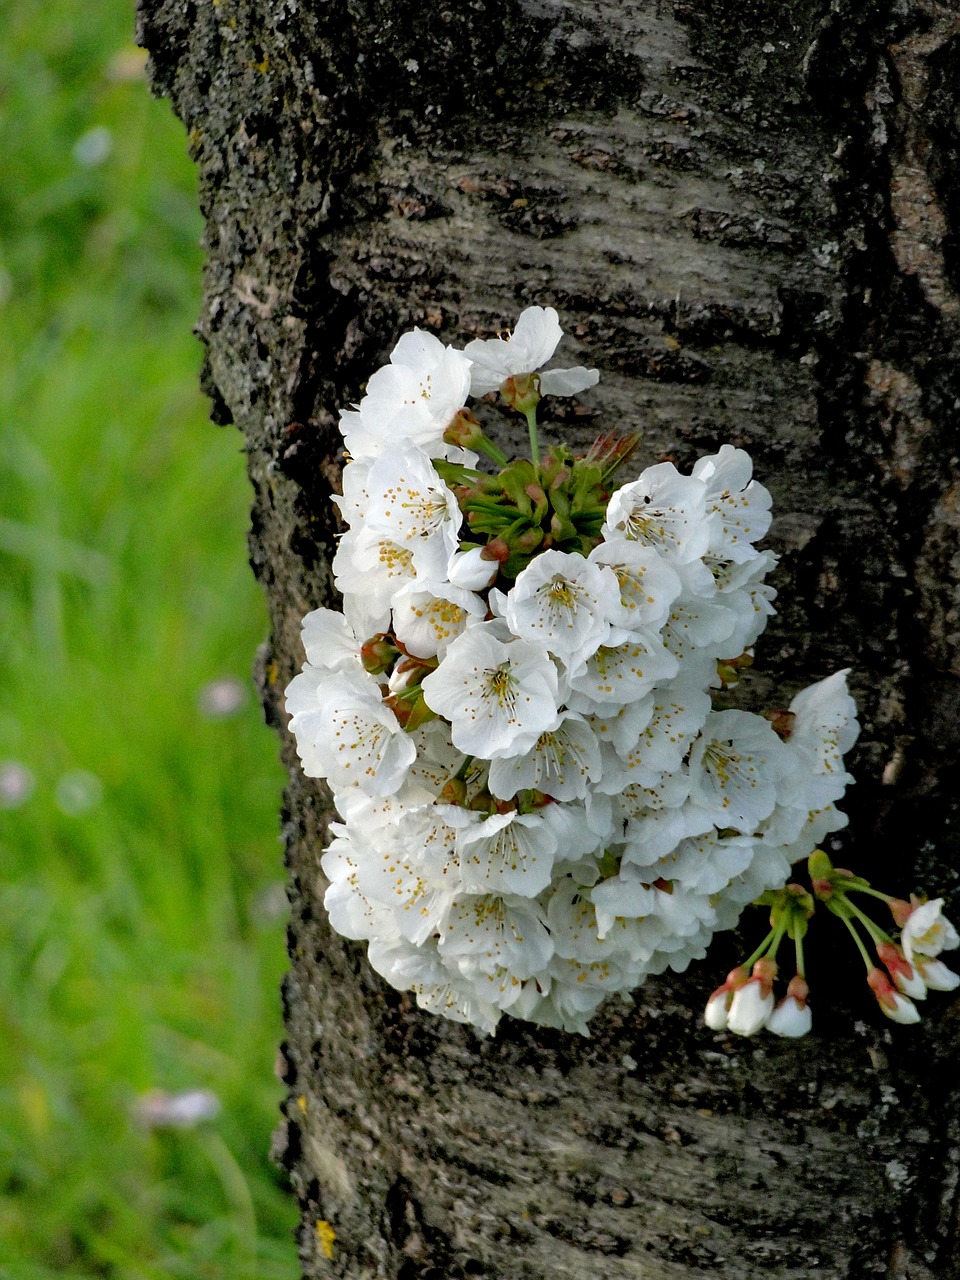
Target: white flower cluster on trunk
{"x": 570, "y": 812}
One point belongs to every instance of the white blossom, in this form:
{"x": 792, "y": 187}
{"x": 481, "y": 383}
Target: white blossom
{"x": 750, "y": 1008}
{"x": 790, "y": 1018}
{"x": 738, "y": 507}
{"x": 498, "y": 697}
{"x": 928, "y": 931}
{"x": 427, "y": 616}
{"x": 663, "y": 510}
{"x": 735, "y": 766}
{"x": 471, "y": 570}
{"x": 648, "y": 585}
{"x": 507, "y": 853}
{"x": 563, "y": 602}
{"x": 563, "y": 814}
{"x": 413, "y": 398}
{"x": 532, "y": 343}
{"x": 620, "y": 672}
{"x": 346, "y": 733}
{"x": 490, "y": 931}
{"x": 936, "y": 975}
{"x": 329, "y": 641}
{"x": 412, "y": 507}
{"x": 561, "y": 763}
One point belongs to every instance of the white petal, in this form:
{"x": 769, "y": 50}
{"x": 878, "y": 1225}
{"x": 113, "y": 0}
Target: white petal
{"x": 567, "y": 382}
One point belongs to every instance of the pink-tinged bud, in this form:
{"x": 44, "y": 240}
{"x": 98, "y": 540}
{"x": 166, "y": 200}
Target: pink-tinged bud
{"x": 903, "y": 973}
{"x": 750, "y": 1008}
{"x": 765, "y": 972}
{"x": 781, "y": 722}
{"x": 521, "y": 391}
{"x": 798, "y": 990}
{"x": 718, "y": 1006}
{"x": 895, "y": 1006}
{"x": 791, "y": 1018}
{"x": 900, "y": 911}
{"x": 936, "y": 975}
{"x": 497, "y": 549}
{"x": 411, "y": 713}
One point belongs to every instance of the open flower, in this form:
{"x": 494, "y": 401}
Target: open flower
{"x": 499, "y": 697}
{"x": 414, "y": 397}
{"x": 927, "y": 931}
{"x": 531, "y": 345}
{"x": 540, "y": 807}
{"x": 563, "y": 602}
{"x": 346, "y": 733}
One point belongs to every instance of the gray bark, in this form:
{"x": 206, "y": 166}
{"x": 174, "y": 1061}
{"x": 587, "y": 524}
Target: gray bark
{"x": 747, "y": 212}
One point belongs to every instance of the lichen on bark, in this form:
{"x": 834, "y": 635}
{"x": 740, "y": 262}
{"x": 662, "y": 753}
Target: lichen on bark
{"x": 747, "y": 215}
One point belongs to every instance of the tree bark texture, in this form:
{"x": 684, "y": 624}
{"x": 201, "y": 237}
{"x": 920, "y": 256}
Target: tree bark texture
{"x": 747, "y": 213}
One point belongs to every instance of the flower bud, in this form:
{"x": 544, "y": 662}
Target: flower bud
{"x": 900, "y": 911}
{"x": 893, "y": 1005}
{"x": 454, "y": 791}
{"x": 752, "y": 1004}
{"x": 718, "y": 1006}
{"x": 473, "y": 570}
{"x": 781, "y": 722}
{"x": 411, "y": 712}
{"x": 936, "y": 975}
{"x": 903, "y": 973}
{"x": 790, "y": 1019}
{"x": 750, "y": 1009}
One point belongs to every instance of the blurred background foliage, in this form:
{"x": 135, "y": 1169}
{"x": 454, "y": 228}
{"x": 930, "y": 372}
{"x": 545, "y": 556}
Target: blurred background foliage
{"x": 141, "y": 892}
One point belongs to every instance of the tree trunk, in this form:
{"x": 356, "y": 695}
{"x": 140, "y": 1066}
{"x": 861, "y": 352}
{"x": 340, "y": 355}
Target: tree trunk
{"x": 747, "y": 213}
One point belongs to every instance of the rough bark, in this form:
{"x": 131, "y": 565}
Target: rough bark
{"x": 748, "y": 212}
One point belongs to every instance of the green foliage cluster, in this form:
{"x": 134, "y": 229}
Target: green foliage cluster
{"x": 141, "y": 904}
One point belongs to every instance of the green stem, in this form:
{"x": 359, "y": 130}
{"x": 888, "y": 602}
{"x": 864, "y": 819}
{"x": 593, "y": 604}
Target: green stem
{"x": 778, "y": 933}
{"x": 531, "y": 416}
{"x": 760, "y": 951}
{"x": 461, "y": 774}
{"x": 874, "y": 930}
{"x": 874, "y": 893}
{"x": 856, "y": 937}
{"x": 493, "y": 453}
{"x": 798, "y": 947}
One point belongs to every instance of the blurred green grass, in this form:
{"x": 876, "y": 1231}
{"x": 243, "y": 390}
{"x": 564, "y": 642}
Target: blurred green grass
{"x": 141, "y": 921}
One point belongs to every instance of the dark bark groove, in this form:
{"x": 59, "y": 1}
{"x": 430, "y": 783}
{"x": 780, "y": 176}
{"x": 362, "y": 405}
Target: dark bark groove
{"x": 748, "y": 215}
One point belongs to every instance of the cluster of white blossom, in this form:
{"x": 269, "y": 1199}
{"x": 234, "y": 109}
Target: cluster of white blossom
{"x": 540, "y": 802}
